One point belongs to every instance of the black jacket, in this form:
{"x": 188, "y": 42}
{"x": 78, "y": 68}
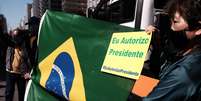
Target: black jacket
{"x": 25, "y": 67}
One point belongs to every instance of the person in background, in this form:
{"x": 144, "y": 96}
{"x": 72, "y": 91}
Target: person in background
{"x": 5, "y": 40}
{"x": 2, "y": 51}
{"x": 180, "y": 80}
{"x": 33, "y": 27}
{"x": 17, "y": 66}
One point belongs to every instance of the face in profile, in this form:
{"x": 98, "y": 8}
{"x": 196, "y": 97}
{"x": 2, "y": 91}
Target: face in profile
{"x": 178, "y": 23}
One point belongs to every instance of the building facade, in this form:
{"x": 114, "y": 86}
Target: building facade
{"x": 70, "y": 6}
{"x": 36, "y": 8}
{"x": 75, "y": 6}
{"x": 43, "y": 5}
{"x": 55, "y": 5}
{"x": 3, "y": 24}
{"x": 40, "y": 6}
{"x": 29, "y": 11}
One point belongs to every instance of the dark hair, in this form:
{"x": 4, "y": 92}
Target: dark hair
{"x": 20, "y": 36}
{"x": 188, "y": 9}
{"x": 33, "y": 21}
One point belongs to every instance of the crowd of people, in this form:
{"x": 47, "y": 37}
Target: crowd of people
{"x": 20, "y": 56}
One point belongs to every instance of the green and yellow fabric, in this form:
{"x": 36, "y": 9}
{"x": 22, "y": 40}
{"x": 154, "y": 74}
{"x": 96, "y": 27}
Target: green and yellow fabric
{"x": 72, "y": 49}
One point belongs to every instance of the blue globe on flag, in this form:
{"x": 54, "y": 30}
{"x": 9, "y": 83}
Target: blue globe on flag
{"x": 62, "y": 75}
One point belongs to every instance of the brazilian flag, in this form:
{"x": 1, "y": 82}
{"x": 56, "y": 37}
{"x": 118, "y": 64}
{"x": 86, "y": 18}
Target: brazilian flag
{"x": 72, "y": 49}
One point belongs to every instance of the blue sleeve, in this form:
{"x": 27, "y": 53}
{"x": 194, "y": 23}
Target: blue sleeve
{"x": 175, "y": 86}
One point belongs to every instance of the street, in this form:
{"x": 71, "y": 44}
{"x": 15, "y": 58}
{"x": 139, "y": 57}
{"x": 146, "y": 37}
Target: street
{"x": 3, "y": 87}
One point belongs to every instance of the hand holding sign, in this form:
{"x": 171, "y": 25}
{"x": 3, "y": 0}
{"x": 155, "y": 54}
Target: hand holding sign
{"x": 126, "y": 54}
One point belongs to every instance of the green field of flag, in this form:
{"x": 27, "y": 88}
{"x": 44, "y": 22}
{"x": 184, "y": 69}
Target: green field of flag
{"x": 72, "y": 49}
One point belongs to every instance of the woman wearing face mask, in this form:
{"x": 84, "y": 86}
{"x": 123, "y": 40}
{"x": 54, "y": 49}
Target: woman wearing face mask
{"x": 180, "y": 80}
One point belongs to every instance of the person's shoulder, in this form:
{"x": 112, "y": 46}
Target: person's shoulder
{"x": 188, "y": 65}
{"x": 191, "y": 65}
{"x": 192, "y": 60}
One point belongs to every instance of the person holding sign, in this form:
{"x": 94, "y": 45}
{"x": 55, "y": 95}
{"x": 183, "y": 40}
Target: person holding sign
{"x": 180, "y": 80}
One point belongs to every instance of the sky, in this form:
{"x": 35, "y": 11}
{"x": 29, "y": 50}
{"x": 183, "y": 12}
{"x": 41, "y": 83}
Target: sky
{"x": 14, "y": 11}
